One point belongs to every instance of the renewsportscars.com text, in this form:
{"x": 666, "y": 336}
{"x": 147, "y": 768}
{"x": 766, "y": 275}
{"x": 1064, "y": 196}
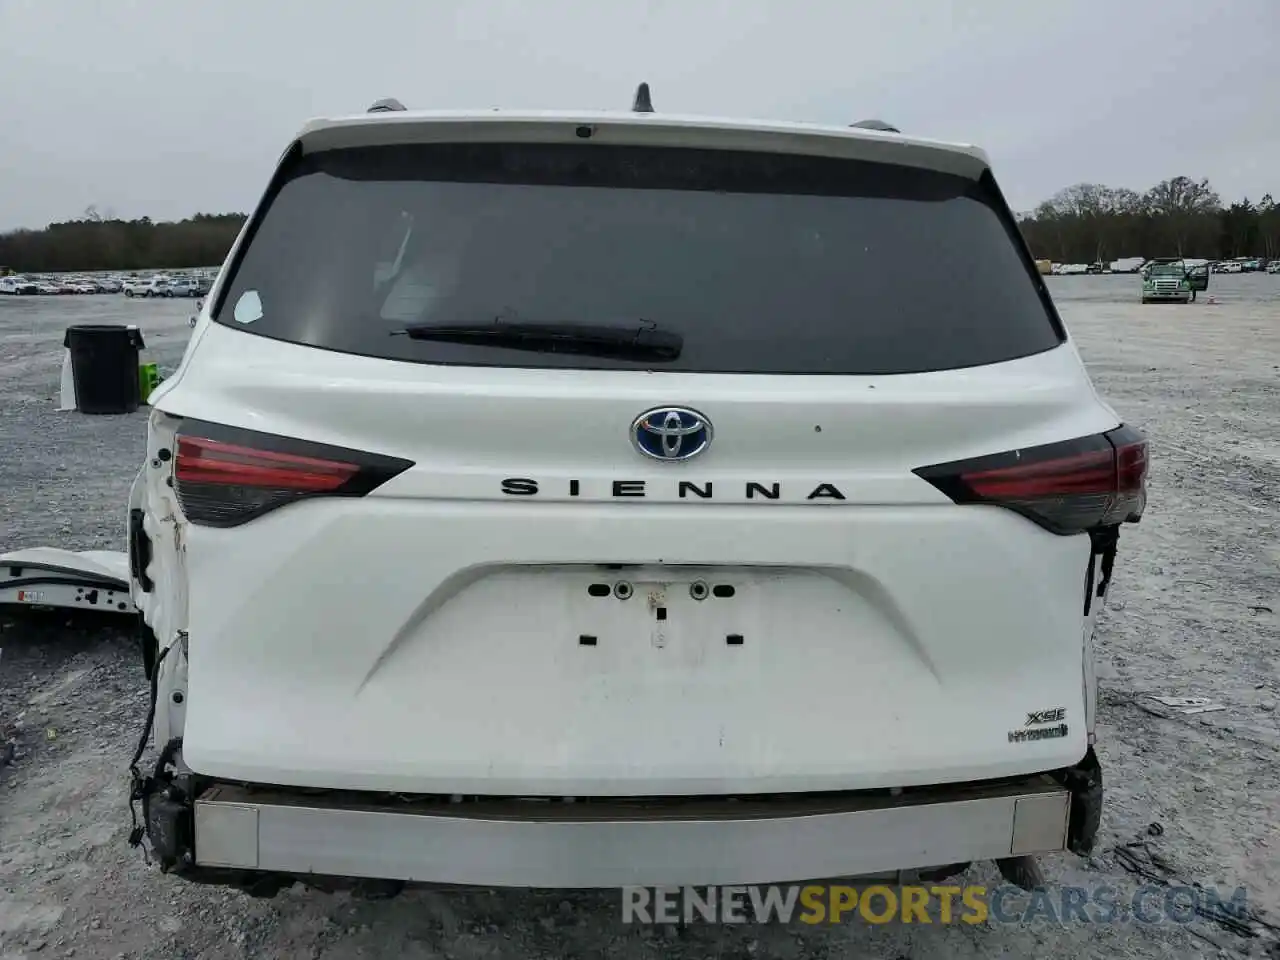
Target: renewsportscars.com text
{"x": 927, "y": 904}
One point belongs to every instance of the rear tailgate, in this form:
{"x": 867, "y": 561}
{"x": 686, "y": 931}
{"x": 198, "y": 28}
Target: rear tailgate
{"x": 519, "y": 601}
{"x": 441, "y": 634}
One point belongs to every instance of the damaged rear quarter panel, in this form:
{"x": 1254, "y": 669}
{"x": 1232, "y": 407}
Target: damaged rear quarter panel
{"x": 164, "y": 606}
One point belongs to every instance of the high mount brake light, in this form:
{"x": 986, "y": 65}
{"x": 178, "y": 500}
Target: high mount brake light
{"x": 1066, "y": 487}
{"x": 224, "y": 476}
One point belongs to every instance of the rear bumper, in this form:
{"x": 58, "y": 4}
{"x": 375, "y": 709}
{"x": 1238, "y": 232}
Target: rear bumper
{"x": 244, "y": 833}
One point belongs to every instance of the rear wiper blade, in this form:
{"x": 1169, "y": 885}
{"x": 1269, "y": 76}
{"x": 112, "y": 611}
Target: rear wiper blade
{"x": 636, "y": 341}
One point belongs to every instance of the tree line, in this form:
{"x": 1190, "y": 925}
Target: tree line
{"x": 1085, "y": 223}
{"x": 1090, "y": 223}
{"x": 94, "y": 242}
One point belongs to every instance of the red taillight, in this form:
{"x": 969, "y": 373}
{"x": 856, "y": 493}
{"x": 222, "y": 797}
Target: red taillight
{"x": 1131, "y": 474}
{"x": 224, "y": 476}
{"x": 1086, "y": 473}
{"x": 201, "y": 460}
{"x": 1066, "y": 487}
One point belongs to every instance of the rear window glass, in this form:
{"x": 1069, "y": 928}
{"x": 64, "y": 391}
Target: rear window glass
{"x": 760, "y": 263}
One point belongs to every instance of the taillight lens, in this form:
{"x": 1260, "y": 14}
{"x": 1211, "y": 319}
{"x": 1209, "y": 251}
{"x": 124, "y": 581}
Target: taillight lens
{"x": 224, "y": 476}
{"x": 1066, "y": 487}
{"x": 1131, "y": 474}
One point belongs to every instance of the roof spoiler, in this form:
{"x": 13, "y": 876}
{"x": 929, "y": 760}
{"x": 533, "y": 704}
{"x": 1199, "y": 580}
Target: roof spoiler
{"x": 642, "y": 103}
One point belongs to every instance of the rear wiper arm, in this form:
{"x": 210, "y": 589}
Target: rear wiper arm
{"x": 637, "y": 341}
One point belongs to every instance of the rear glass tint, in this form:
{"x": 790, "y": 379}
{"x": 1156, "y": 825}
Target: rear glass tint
{"x": 762, "y": 263}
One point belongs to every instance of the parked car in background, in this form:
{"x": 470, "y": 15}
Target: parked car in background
{"x": 134, "y": 286}
{"x": 18, "y": 286}
{"x": 1127, "y": 264}
{"x": 158, "y": 287}
{"x": 182, "y": 287}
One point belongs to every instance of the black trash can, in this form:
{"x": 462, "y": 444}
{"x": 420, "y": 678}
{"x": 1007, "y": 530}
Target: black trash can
{"x": 104, "y": 367}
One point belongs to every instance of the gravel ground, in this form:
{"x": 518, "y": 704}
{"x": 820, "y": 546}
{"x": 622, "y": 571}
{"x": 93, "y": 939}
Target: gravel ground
{"x": 1195, "y": 611}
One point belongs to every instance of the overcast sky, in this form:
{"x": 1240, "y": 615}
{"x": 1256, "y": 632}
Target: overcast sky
{"x": 144, "y": 107}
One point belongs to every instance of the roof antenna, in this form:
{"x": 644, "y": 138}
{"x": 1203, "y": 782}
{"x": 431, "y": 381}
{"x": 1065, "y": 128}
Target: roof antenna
{"x": 642, "y": 103}
{"x": 386, "y": 105}
{"x": 875, "y": 125}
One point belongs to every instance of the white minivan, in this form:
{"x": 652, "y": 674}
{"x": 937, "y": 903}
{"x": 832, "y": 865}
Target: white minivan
{"x": 599, "y": 499}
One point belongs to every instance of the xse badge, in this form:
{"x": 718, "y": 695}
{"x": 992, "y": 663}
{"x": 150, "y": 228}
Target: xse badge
{"x": 1034, "y": 728}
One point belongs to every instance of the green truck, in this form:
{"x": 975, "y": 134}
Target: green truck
{"x": 1172, "y": 280}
